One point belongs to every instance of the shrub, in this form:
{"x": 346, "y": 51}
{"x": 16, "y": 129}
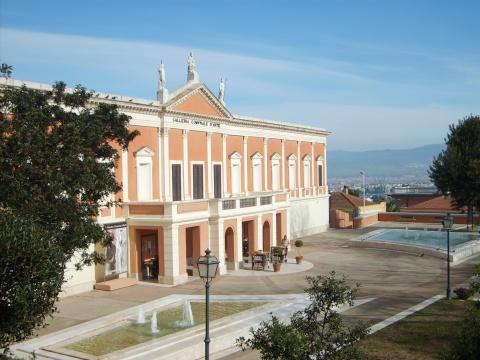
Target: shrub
{"x": 317, "y": 332}
{"x": 463, "y": 293}
{"x": 466, "y": 345}
{"x": 298, "y": 243}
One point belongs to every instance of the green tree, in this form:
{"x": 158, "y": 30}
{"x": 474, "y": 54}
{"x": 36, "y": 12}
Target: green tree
{"x": 317, "y": 332}
{"x": 456, "y": 170}
{"x": 57, "y": 152}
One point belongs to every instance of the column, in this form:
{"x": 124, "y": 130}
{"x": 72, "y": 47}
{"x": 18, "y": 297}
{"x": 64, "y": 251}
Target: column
{"x": 160, "y": 163}
{"x": 165, "y": 166}
{"x": 274, "y": 229}
{"x": 224, "y": 165}
{"x": 209, "y": 165}
{"x": 299, "y": 166}
{"x": 313, "y": 165}
{"x": 245, "y": 162}
{"x": 238, "y": 238}
{"x": 186, "y": 168}
{"x": 287, "y": 223}
{"x": 217, "y": 244}
{"x": 171, "y": 254}
{"x": 265, "y": 164}
{"x": 325, "y": 167}
{"x": 125, "y": 175}
{"x": 259, "y": 232}
{"x": 283, "y": 165}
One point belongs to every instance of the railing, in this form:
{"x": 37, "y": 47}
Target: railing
{"x": 229, "y": 204}
{"x": 265, "y": 200}
{"x": 248, "y": 202}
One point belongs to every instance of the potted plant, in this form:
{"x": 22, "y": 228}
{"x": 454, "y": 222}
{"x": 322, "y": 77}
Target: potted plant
{"x": 299, "y": 257}
{"x": 277, "y": 252}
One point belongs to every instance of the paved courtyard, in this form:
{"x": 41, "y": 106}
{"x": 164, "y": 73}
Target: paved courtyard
{"x": 396, "y": 280}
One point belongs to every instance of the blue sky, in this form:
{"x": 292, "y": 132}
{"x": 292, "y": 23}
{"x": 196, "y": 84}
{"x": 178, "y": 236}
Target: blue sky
{"x": 378, "y": 74}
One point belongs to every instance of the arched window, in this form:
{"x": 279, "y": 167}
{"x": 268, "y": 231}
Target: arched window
{"x": 275, "y": 161}
{"x": 143, "y": 161}
{"x": 320, "y": 171}
{"x": 292, "y": 172}
{"x": 307, "y": 173}
{"x": 236, "y": 172}
{"x": 257, "y": 172}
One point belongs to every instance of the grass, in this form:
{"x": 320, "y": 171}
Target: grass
{"x": 424, "y": 335}
{"x": 134, "y": 334}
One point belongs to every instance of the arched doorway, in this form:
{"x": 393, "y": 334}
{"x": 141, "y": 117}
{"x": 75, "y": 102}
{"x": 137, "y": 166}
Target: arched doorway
{"x": 230, "y": 248}
{"x": 266, "y": 236}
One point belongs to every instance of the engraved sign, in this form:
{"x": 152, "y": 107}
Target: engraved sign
{"x": 197, "y": 122}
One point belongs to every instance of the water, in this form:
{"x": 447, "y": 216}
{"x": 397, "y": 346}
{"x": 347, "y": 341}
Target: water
{"x": 187, "y": 320}
{"x": 153, "y": 324}
{"x": 141, "y": 316}
{"x": 433, "y": 239}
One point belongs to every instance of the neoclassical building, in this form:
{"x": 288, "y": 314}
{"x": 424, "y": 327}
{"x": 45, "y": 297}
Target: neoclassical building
{"x": 199, "y": 176}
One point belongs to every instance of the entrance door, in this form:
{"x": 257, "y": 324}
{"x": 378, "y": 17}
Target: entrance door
{"x": 279, "y": 229}
{"x": 266, "y": 236}
{"x": 149, "y": 256}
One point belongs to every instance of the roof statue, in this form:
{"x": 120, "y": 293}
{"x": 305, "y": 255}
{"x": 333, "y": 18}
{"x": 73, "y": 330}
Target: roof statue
{"x": 162, "y": 92}
{"x": 192, "y": 74}
{"x": 221, "y": 91}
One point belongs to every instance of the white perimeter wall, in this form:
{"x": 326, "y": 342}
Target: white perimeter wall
{"x": 78, "y": 281}
{"x": 308, "y": 216}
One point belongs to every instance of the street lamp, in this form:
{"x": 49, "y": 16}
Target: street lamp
{"x": 207, "y": 269}
{"x": 447, "y": 226}
{"x": 363, "y": 175}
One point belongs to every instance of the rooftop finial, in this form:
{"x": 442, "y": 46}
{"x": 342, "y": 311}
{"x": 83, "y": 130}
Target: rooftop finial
{"x": 221, "y": 91}
{"x": 162, "y": 92}
{"x": 192, "y": 74}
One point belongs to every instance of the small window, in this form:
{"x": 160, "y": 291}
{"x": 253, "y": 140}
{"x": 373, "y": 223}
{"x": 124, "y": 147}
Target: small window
{"x": 197, "y": 181}
{"x": 176, "y": 182}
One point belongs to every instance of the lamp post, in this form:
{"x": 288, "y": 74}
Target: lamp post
{"x": 363, "y": 176}
{"x": 207, "y": 270}
{"x": 447, "y": 226}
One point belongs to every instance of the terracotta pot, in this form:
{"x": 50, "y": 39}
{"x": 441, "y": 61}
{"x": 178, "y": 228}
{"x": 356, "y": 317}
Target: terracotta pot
{"x": 299, "y": 259}
{"x": 276, "y": 267}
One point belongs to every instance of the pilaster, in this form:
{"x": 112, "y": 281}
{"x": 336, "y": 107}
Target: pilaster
{"x": 186, "y": 168}
{"x": 209, "y": 165}
{"x": 245, "y": 168}
{"x": 224, "y": 165}
{"x": 217, "y": 244}
{"x": 125, "y": 175}
{"x": 165, "y": 179}
{"x": 283, "y": 165}
{"x": 265, "y": 164}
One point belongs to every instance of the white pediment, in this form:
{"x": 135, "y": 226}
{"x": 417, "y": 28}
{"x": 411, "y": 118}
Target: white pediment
{"x": 275, "y": 156}
{"x": 235, "y": 155}
{"x": 145, "y": 152}
{"x": 257, "y": 156}
{"x": 292, "y": 157}
{"x": 319, "y": 158}
{"x": 307, "y": 158}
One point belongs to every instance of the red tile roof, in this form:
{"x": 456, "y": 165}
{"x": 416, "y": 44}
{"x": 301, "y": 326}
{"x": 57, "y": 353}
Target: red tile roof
{"x": 341, "y": 200}
{"x": 439, "y": 203}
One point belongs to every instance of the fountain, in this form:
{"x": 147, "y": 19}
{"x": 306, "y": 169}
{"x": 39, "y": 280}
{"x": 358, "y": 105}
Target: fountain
{"x": 153, "y": 323}
{"x": 187, "y": 320}
{"x": 141, "y": 316}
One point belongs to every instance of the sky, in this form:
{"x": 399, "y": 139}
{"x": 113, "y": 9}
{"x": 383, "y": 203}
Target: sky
{"x": 377, "y": 74}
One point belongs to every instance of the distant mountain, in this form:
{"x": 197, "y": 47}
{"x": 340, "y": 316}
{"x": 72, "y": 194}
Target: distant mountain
{"x": 382, "y": 163}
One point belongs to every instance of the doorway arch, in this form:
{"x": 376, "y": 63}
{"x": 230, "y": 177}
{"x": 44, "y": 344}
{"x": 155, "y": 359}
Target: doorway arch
{"x": 229, "y": 248}
{"x": 266, "y": 237}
